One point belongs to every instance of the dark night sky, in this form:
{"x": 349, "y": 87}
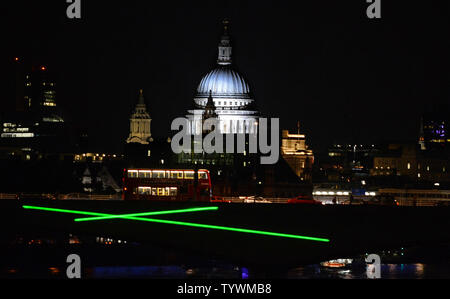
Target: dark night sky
{"x": 345, "y": 77}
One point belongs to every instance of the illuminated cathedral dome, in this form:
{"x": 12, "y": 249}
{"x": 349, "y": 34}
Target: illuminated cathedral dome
{"x": 223, "y": 82}
{"x": 228, "y": 94}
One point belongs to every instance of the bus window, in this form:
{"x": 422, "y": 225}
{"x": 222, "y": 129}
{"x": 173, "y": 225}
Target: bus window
{"x": 189, "y": 175}
{"x": 154, "y": 191}
{"x": 173, "y": 191}
{"x": 144, "y": 174}
{"x": 132, "y": 173}
{"x": 176, "y": 174}
{"x": 158, "y": 174}
{"x": 202, "y": 175}
{"x": 144, "y": 190}
{"x": 160, "y": 191}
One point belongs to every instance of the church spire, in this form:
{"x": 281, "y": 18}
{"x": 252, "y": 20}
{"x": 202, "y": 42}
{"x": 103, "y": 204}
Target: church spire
{"x": 141, "y": 97}
{"x": 141, "y": 107}
{"x": 210, "y": 110}
{"x": 224, "y": 57}
{"x": 140, "y": 123}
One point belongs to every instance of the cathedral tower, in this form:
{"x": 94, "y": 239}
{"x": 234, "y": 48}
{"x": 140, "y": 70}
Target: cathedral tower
{"x": 140, "y": 123}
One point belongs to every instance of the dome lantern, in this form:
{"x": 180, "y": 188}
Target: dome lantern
{"x": 224, "y": 55}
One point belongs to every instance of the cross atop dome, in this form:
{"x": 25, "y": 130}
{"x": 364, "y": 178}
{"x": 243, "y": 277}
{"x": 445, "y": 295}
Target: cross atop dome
{"x": 225, "y": 23}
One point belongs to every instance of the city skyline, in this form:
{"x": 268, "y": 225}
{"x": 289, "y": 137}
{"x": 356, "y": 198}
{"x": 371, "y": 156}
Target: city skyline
{"x": 218, "y": 140}
{"x": 355, "y": 82}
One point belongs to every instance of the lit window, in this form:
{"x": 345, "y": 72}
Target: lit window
{"x": 17, "y": 135}
{"x": 144, "y": 190}
{"x": 158, "y": 174}
{"x": 132, "y": 173}
{"x": 145, "y": 174}
{"x": 189, "y": 175}
{"x": 409, "y": 165}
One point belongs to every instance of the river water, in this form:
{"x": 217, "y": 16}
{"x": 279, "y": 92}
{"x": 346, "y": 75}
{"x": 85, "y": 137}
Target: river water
{"x": 41, "y": 258}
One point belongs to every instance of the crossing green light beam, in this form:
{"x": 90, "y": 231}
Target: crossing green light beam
{"x": 199, "y": 225}
{"x": 148, "y": 214}
{"x": 101, "y": 216}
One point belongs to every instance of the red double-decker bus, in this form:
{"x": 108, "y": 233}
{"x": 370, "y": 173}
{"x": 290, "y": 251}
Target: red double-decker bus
{"x": 166, "y": 184}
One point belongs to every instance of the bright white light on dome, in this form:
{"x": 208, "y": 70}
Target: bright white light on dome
{"x": 224, "y": 81}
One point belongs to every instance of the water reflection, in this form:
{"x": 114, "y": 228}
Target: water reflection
{"x": 139, "y": 261}
{"x": 137, "y": 272}
{"x": 388, "y": 271}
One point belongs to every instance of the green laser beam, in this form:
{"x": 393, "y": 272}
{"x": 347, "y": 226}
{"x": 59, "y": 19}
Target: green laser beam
{"x": 64, "y": 211}
{"x": 111, "y": 216}
{"x": 148, "y": 213}
{"x": 226, "y": 228}
{"x": 243, "y": 230}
